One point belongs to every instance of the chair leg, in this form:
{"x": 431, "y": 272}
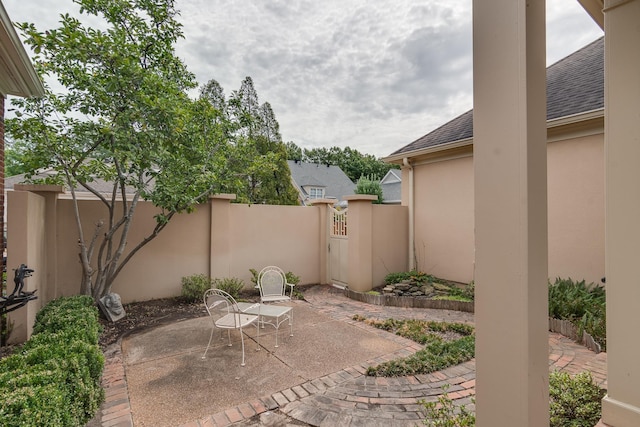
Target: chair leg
{"x": 242, "y": 341}
{"x": 291, "y": 322}
{"x": 229, "y": 336}
{"x": 208, "y": 344}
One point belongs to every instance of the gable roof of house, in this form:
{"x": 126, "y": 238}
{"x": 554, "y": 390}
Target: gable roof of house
{"x": 100, "y": 185}
{"x": 392, "y": 186}
{"x": 575, "y": 85}
{"x": 335, "y": 182}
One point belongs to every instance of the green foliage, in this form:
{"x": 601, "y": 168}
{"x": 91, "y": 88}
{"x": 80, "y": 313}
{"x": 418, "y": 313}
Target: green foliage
{"x": 259, "y": 164}
{"x": 413, "y": 275}
{"x": 437, "y": 353}
{"x": 353, "y": 163}
{"x": 194, "y": 287}
{"x": 292, "y": 278}
{"x": 464, "y": 293}
{"x": 583, "y": 305}
{"x": 574, "y": 401}
{"x": 55, "y": 379}
{"x": 14, "y": 157}
{"x": 369, "y": 185}
{"x": 123, "y": 117}
{"x": 230, "y": 285}
{"x": 445, "y": 413}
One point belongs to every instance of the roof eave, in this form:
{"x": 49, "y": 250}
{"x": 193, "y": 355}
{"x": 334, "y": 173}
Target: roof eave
{"x": 551, "y": 124}
{"x": 595, "y": 9}
{"x": 398, "y": 158}
{"x": 17, "y": 75}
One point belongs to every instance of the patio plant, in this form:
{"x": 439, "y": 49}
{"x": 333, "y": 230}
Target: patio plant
{"x": 194, "y": 286}
{"x": 574, "y": 401}
{"x": 231, "y": 285}
{"x": 445, "y": 413}
{"x": 582, "y": 304}
{"x": 414, "y": 275}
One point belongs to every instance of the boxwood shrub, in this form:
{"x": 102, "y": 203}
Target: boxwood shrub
{"x": 55, "y": 379}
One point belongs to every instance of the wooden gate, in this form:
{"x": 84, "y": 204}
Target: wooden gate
{"x": 338, "y": 246}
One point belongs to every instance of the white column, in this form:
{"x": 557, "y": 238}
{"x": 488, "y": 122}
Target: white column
{"x": 621, "y": 406}
{"x": 510, "y": 213}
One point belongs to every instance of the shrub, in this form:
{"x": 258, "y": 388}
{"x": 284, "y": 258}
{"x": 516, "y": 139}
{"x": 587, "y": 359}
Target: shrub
{"x": 55, "y": 379}
{"x": 194, "y": 287}
{"x": 369, "y": 185}
{"x": 574, "y": 401}
{"x": 445, "y": 413}
{"x": 230, "y": 285}
{"x": 414, "y": 275}
{"x": 290, "y": 277}
{"x": 583, "y": 305}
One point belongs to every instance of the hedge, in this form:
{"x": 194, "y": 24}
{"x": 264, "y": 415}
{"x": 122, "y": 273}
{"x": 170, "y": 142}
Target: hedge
{"x": 55, "y": 379}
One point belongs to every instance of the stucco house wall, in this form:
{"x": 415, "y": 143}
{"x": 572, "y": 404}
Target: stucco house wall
{"x": 438, "y": 179}
{"x": 444, "y": 212}
{"x": 444, "y": 240}
{"x": 575, "y": 174}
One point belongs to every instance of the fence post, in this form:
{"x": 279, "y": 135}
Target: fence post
{"x": 220, "y": 245}
{"x": 360, "y": 224}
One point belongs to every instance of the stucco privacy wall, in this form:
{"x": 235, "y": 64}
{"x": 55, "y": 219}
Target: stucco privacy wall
{"x": 444, "y": 212}
{"x": 181, "y": 249}
{"x": 390, "y": 250}
{"x": 219, "y": 239}
{"x": 28, "y": 237}
{"x": 258, "y": 235}
{"x": 286, "y": 236}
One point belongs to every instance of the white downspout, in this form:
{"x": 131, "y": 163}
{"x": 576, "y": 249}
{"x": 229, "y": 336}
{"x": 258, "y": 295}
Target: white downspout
{"x": 412, "y": 255}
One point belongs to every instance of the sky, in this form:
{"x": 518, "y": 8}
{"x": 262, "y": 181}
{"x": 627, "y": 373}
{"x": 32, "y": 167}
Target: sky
{"x": 370, "y": 75}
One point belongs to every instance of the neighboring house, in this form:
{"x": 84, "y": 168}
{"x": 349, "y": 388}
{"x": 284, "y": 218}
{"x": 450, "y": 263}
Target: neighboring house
{"x": 392, "y": 187}
{"x": 101, "y": 186}
{"x": 17, "y": 78}
{"x": 316, "y": 181}
{"x": 440, "y": 170}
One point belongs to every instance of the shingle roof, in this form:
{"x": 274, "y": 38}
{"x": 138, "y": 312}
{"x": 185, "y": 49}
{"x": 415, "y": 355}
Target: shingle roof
{"x": 100, "y": 185}
{"x": 334, "y": 181}
{"x": 575, "y": 85}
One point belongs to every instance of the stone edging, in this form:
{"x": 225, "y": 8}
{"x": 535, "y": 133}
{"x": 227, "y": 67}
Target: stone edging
{"x": 563, "y": 327}
{"x": 569, "y": 330}
{"x": 409, "y": 302}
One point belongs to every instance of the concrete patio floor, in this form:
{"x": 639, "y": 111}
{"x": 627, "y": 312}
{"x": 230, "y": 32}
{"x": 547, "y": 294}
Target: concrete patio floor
{"x": 315, "y": 377}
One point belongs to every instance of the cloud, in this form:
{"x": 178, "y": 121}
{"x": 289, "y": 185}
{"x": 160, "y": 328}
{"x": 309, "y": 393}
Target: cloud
{"x": 370, "y": 75}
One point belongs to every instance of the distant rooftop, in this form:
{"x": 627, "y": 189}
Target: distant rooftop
{"x": 332, "y": 179}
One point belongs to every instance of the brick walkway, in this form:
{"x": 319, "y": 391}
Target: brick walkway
{"x": 348, "y": 397}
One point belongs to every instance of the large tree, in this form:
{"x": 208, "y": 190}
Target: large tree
{"x": 124, "y": 118}
{"x": 261, "y": 154}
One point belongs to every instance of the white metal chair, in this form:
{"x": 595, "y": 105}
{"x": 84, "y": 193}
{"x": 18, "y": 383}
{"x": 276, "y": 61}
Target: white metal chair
{"x": 272, "y": 283}
{"x": 225, "y": 314}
